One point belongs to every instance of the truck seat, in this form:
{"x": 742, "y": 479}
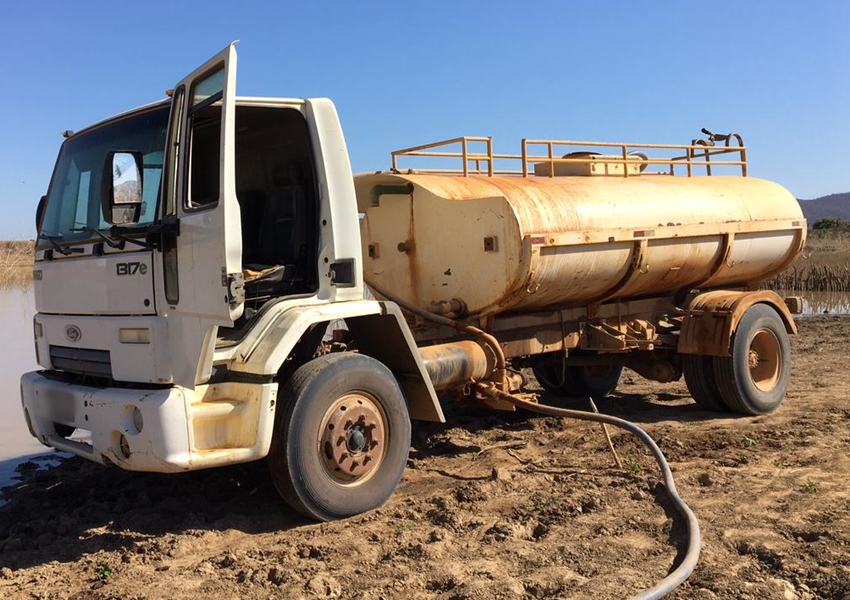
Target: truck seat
{"x": 251, "y": 212}
{"x": 283, "y": 228}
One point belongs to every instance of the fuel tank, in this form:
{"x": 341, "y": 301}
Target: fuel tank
{"x": 500, "y": 244}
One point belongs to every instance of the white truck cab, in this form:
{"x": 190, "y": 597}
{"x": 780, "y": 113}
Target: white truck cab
{"x": 186, "y": 251}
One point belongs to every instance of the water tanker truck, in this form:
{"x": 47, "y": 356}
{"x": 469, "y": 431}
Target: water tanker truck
{"x": 214, "y": 286}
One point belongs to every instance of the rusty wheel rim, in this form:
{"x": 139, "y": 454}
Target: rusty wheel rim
{"x": 353, "y": 438}
{"x": 764, "y": 360}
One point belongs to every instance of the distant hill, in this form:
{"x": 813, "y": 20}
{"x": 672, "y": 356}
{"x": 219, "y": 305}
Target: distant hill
{"x": 834, "y": 205}
{"x": 126, "y": 192}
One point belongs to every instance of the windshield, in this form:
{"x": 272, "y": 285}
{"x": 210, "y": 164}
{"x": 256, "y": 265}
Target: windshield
{"x": 73, "y": 203}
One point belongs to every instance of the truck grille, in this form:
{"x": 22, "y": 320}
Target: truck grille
{"x": 81, "y": 360}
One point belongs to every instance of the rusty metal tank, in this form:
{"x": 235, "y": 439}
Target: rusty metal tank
{"x": 503, "y": 244}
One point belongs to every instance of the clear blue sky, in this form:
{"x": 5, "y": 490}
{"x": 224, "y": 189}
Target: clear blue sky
{"x": 407, "y": 73}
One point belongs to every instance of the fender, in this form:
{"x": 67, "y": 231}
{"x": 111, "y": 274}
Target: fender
{"x": 379, "y": 328}
{"x": 712, "y": 317}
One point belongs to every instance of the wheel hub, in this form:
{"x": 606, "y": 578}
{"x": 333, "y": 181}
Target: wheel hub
{"x": 352, "y": 443}
{"x": 356, "y": 441}
{"x": 764, "y": 360}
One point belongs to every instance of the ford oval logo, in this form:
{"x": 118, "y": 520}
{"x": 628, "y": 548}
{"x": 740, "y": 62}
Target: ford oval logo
{"x": 73, "y": 333}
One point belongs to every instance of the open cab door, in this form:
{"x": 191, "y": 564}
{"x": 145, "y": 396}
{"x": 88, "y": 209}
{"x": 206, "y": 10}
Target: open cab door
{"x": 202, "y": 258}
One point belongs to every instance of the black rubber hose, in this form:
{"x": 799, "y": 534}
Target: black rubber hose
{"x": 689, "y": 562}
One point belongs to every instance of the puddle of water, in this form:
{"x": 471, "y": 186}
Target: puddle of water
{"x": 17, "y": 308}
{"x": 831, "y": 303}
{"x": 821, "y": 303}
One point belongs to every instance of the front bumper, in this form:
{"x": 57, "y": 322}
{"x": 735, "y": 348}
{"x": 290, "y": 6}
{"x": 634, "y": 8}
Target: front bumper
{"x": 161, "y": 430}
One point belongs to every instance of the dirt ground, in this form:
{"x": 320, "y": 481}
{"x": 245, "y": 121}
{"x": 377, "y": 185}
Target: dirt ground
{"x": 493, "y": 505}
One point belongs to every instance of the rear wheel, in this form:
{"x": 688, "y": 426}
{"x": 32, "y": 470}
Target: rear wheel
{"x": 341, "y": 438}
{"x": 700, "y": 379}
{"x": 754, "y": 379}
{"x": 596, "y": 381}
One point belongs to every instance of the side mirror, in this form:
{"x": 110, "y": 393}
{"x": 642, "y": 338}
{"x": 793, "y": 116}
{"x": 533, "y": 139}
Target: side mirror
{"x": 121, "y": 188}
{"x": 39, "y": 213}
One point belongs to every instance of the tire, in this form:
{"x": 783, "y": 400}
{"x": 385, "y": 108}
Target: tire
{"x": 341, "y": 438}
{"x": 596, "y": 381}
{"x": 754, "y": 379}
{"x": 700, "y": 379}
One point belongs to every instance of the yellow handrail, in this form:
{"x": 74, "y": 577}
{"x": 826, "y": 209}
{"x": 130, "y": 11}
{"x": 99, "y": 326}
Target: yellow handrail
{"x": 482, "y": 162}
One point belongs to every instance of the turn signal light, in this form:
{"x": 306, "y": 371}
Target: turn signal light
{"x": 133, "y": 335}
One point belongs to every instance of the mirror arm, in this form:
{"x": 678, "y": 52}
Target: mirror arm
{"x": 145, "y": 245}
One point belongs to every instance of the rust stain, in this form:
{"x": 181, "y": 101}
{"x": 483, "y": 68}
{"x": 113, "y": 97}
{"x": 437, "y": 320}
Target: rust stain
{"x": 564, "y": 250}
{"x": 412, "y": 258}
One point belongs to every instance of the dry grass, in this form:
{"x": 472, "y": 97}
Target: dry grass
{"x": 16, "y": 260}
{"x": 824, "y": 265}
{"x": 834, "y": 242}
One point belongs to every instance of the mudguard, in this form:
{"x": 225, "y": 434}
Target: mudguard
{"x": 712, "y": 318}
{"x": 379, "y": 329}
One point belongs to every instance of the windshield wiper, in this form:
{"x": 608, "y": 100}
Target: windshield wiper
{"x": 123, "y": 236}
{"x": 168, "y": 225}
{"x": 61, "y": 250}
{"x": 109, "y": 241}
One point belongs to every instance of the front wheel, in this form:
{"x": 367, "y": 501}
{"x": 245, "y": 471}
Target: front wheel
{"x": 754, "y": 379}
{"x": 341, "y": 438}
